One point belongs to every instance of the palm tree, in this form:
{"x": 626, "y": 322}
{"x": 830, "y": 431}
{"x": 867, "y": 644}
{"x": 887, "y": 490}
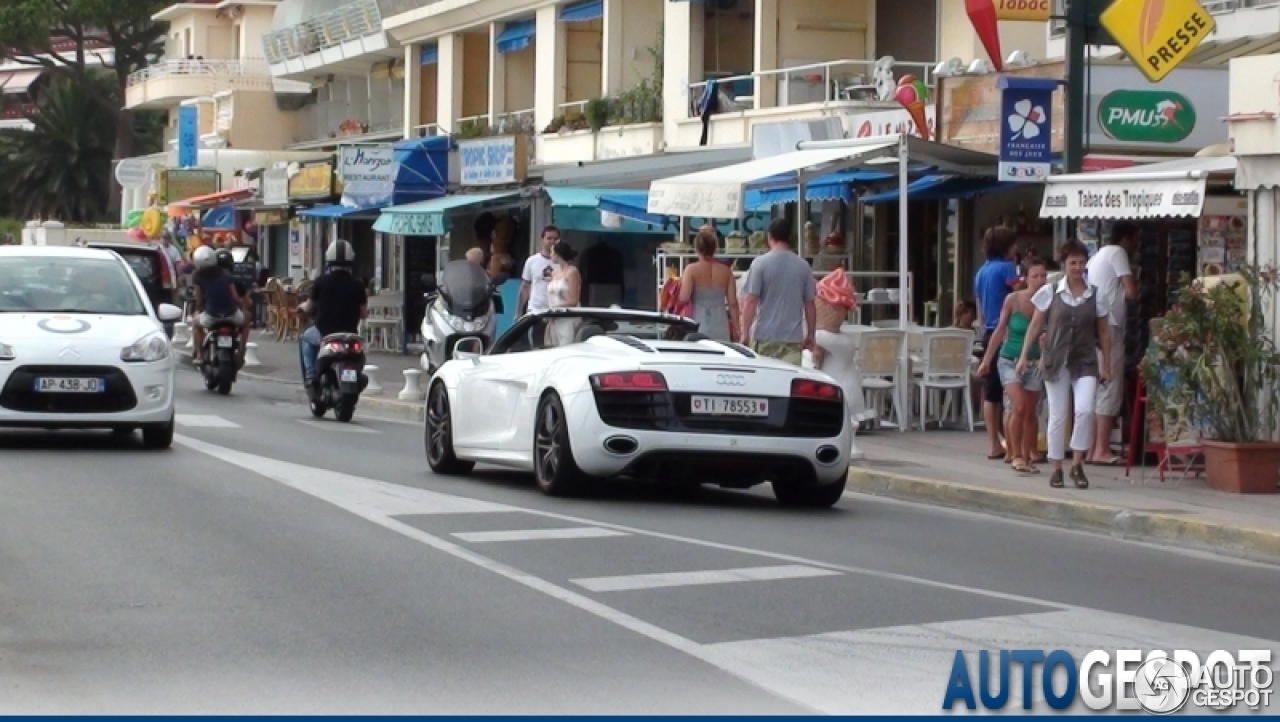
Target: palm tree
{"x": 61, "y": 169}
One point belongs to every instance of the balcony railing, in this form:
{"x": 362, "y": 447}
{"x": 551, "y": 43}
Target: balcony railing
{"x": 837, "y": 80}
{"x": 349, "y": 22}
{"x": 256, "y": 68}
{"x": 1223, "y": 6}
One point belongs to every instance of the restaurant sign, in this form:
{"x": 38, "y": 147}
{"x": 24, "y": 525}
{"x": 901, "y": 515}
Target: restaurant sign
{"x": 312, "y": 181}
{"x": 1146, "y": 116}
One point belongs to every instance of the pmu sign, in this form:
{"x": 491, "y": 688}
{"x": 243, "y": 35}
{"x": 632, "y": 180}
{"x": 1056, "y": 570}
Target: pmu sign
{"x": 1157, "y": 34}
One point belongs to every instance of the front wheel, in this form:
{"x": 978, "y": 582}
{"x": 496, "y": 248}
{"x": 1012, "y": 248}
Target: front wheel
{"x": 158, "y": 436}
{"x": 553, "y": 463}
{"x": 439, "y": 435}
{"x": 809, "y": 497}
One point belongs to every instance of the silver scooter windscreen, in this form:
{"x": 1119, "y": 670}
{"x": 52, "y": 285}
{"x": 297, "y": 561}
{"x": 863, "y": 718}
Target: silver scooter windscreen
{"x": 465, "y": 290}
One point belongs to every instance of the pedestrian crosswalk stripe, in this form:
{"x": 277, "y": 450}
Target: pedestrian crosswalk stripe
{"x": 204, "y": 422}
{"x": 583, "y": 532}
{"x": 338, "y": 427}
{"x": 685, "y": 579}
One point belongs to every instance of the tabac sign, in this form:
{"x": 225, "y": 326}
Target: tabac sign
{"x": 1157, "y": 34}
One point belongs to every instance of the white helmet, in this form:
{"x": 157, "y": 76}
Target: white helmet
{"x": 340, "y": 252}
{"x": 205, "y": 257}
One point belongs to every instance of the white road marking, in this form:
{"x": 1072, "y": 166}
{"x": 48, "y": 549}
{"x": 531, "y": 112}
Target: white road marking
{"x": 580, "y": 532}
{"x": 338, "y": 427}
{"x": 204, "y": 422}
{"x": 686, "y": 579}
{"x": 889, "y": 666}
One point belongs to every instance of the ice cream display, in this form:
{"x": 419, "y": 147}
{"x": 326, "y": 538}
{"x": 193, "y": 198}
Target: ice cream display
{"x": 912, "y": 94}
{"x": 835, "y": 300}
{"x": 982, "y": 15}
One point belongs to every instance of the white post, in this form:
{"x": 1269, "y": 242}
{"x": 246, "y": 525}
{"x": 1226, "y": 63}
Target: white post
{"x": 412, "y": 88}
{"x": 904, "y": 303}
{"x": 411, "y": 392}
{"x": 374, "y": 388}
{"x": 251, "y": 354}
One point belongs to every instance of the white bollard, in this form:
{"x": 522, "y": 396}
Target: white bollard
{"x": 411, "y": 391}
{"x": 180, "y": 333}
{"x": 251, "y": 354}
{"x": 374, "y": 388}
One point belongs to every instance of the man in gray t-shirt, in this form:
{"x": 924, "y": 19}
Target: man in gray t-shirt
{"x": 780, "y": 300}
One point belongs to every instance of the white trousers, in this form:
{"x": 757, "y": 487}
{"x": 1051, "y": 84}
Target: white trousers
{"x": 1061, "y": 392}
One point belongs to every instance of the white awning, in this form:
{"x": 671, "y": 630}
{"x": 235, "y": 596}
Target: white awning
{"x": 1258, "y": 172}
{"x": 721, "y": 192}
{"x": 18, "y": 81}
{"x": 1174, "y": 189}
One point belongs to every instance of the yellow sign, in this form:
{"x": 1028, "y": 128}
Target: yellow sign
{"x": 1024, "y": 10}
{"x": 312, "y": 181}
{"x": 271, "y": 217}
{"x": 1157, "y": 35}
{"x": 179, "y": 184}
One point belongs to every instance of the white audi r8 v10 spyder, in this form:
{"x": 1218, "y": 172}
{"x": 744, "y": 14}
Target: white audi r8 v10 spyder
{"x": 81, "y": 347}
{"x": 576, "y": 394}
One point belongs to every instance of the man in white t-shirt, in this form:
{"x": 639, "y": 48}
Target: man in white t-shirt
{"x": 1110, "y": 272}
{"x": 537, "y": 273}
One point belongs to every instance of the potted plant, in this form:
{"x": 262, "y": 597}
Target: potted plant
{"x": 1215, "y": 365}
{"x": 596, "y": 113}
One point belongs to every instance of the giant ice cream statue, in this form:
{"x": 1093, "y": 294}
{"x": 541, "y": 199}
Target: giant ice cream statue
{"x": 913, "y": 94}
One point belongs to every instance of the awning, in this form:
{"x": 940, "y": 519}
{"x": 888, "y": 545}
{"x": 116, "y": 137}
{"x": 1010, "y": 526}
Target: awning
{"x": 430, "y": 54}
{"x": 834, "y": 187}
{"x": 18, "y": 81}
{"x": 582, "y": 12}
{"x": 633, "y": 205}
{"x": 181, "y": 208}
{"x": 942, "y": 187}
{"x": 1174, "y": 189}
{"x": 565, "y": 197}
{"x": 579, "y": 209}
{"x": 1258, "y": 172}
{"x": 428, "y": 217}
{"x": 721, "y": 192}
{"x": 219, "y": 218}
{"x": 516, "y": 36}
{"x": 339, "y": 211}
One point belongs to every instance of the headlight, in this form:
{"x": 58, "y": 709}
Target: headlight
{"x": 152, "y": 347}
{"x": 7, "y": 353}
{"x": 463, "y": 326}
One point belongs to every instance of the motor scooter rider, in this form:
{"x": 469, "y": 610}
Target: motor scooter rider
{"x": 216, "y": 299}
{"x": 227, "y": 262}
{"x": 338, "y": 303}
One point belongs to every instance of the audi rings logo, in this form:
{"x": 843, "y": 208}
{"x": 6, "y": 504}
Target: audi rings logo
{"x": 731, "y": 380}
{"x": 63, "y": 324}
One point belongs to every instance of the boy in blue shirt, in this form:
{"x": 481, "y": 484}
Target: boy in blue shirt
{"x": 993, "y": 282}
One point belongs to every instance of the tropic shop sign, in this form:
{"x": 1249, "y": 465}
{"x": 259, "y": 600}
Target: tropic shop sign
{"x": 1157, "y": 35}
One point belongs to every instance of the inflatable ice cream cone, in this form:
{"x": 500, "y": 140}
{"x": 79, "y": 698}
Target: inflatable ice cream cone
{"x": 912, "y": 94}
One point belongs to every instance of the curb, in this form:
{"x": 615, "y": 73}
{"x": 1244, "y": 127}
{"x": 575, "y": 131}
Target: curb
{"x": 1117, "y": 522}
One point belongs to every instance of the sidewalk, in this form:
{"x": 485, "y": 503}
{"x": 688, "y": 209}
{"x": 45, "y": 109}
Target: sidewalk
{"x": 948, "y": 468}
{"x": 279, "y": 363}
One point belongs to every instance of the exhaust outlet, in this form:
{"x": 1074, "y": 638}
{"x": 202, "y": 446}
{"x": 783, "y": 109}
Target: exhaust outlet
{"x": 827, "y": 455}
{"x": 621, "y": 445}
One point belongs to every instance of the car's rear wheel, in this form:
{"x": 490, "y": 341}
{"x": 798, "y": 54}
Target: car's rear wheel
{"x": 807, "y": 496}
{"x": 439, "y": 435}
{"x": 158, "y": 436}
{"x": 557, "y": 472}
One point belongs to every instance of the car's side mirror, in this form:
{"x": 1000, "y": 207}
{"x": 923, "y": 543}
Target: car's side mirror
{"x": 168, "y": 313}
{"x": 468, "y": 349}
{"x": 429, "y": 282}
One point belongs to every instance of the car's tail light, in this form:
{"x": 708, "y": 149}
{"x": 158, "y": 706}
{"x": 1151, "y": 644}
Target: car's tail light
{"x": 629, "y": 381}
{"x": 806, "y": 389}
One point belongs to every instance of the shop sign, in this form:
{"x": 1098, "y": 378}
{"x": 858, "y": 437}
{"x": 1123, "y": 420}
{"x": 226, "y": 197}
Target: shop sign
{"x": 275, "y": 187}
{"x": 1026, "y": 125}
{"x": 1025, "y": 10}
{"x": 1157, "y": 35}
{"x": 493, "y": 161}
{"x": 367, "y": 164}
{"x": 188, "y": 136}
{"x": 415, "y": 224}
{"x": 312, "y": 181}
{"x": 180, "y": 184}
{"x": 1146, "y": 116}
{"x": 271, "y": 217}
{"x": 1176, "y": 198}
{"x": 891, "y": 122}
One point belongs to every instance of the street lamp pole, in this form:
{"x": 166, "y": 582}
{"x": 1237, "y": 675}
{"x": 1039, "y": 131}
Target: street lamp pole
{"x": 1074, "y": 102}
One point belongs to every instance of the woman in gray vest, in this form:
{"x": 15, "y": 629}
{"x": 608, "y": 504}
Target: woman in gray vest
{"x": 1073, "y": 316}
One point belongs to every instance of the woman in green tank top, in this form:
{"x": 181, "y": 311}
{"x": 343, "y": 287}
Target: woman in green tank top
{"x": 1022, "y": 428}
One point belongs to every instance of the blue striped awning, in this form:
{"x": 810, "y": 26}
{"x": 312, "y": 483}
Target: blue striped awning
{"x": 833, "y": 187}
{"x": 633, "y": 205}
{"x": 428, "y": 218}
{"x": 338, "y": 211}
{"x": 430, "y": 54}
{"x": 517, "y": 36}
{"x": 942, "y": 187}
{"x": 582, "y": 12}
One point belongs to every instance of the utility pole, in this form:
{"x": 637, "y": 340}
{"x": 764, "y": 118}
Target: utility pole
{"x": 1083, "y": 29}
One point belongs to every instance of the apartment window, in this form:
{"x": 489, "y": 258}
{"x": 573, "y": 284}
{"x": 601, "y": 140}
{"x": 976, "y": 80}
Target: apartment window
{"x": 1058, "y": 28}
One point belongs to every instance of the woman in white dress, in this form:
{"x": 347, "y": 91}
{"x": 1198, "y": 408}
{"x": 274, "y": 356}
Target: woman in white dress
{"x": 563, "y": 291}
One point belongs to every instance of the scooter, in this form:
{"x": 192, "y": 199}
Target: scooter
{"x": 219, "y": 355}
{"x": 463, "y": 305}
{"x": 340, "y": 377}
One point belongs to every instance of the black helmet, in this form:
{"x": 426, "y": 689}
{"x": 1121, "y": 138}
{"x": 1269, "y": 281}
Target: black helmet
{"x": 226, "y": 260}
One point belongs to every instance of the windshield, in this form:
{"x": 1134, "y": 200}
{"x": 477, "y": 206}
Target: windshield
{"x": 40, "y": 284}
{"x": 465, "y": 286}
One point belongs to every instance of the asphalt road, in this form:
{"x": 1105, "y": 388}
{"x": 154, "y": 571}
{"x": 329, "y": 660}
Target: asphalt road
{"x": 271, "y": 563}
